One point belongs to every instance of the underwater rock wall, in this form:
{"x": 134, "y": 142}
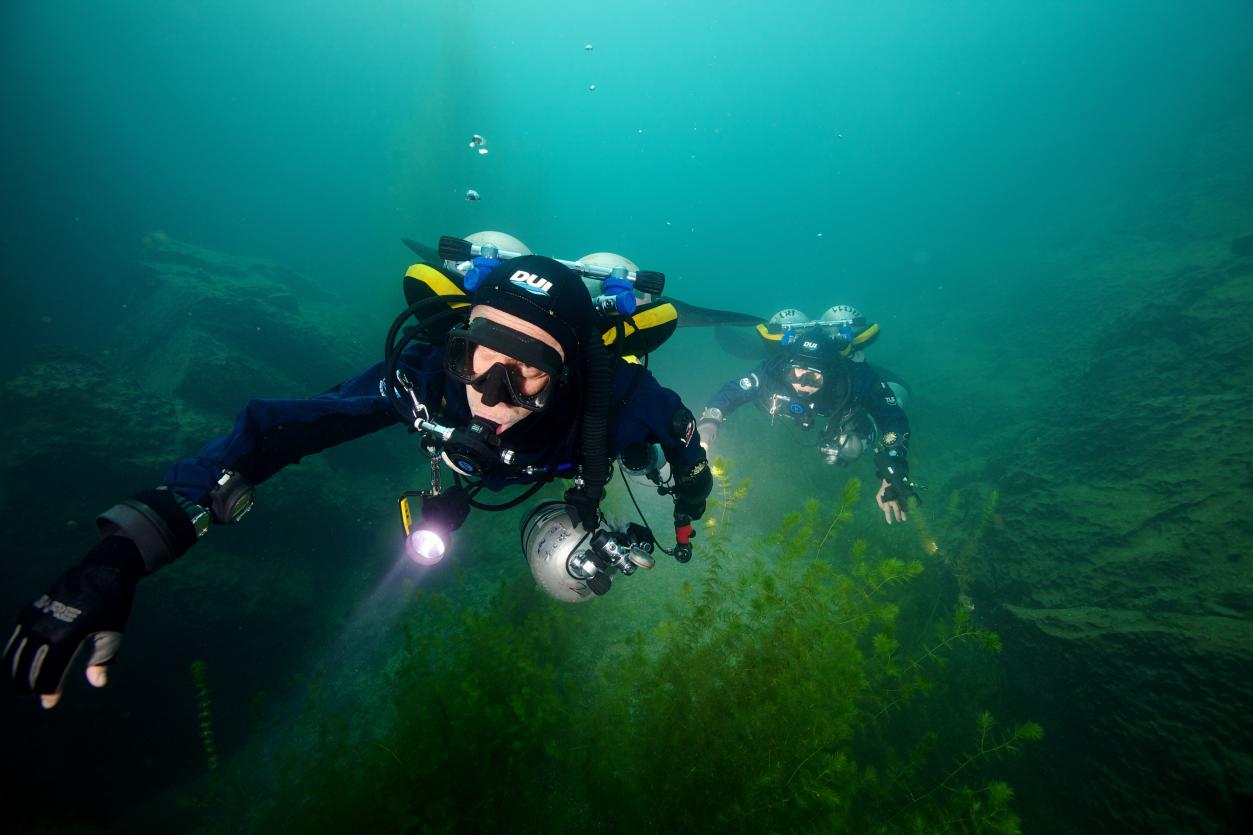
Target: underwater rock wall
{"x": 203, "y": 325}
{"x": 1123, "y": 563}
{"x": 199, "y": 334}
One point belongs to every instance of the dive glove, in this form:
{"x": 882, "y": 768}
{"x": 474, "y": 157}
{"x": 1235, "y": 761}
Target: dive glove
{"x": 584, "y": 510}
{"x": 691, "y": 489}
{"x": 683, "y": 533}
{"x": 449, "y": 509}
{"x": 89, "y": 606}
{"x": 894, "y": 469}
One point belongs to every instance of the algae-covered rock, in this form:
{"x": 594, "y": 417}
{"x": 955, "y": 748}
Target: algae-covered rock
{"x": 1123, "y": 562}
{"x": 1162, "y": 697}
{"x": 215, "y": 329}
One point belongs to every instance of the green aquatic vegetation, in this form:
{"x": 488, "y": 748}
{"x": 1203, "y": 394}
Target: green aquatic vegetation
{"x": 777, "y": 693}
{"x": 204, "y": 713}
{"x": 204, "y": 719}
{"x": 727, "y": 497}
{"x": 982, "y": 809}
{"x": 956, "y": 538}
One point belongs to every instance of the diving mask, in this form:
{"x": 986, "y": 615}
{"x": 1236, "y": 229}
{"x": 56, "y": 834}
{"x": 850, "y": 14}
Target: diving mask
{"x": 802, "y": 376}
{"x": 528, "y": 376}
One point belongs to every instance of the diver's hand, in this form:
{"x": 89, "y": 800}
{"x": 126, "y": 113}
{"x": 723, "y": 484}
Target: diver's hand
{"x": 450, "y": 507}
{"x": 683, "y": 533}
{"x": 890, "y": 502}
{"x": 582, "y": 509}
{"x": 708, "y": 431}
{"x": 87, "y": 607}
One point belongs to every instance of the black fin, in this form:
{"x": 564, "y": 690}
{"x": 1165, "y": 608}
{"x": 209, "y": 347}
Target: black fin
{"x": 739, "y": 343}
{"x": 426, "y": 253}
{"x": 691, "y": 316}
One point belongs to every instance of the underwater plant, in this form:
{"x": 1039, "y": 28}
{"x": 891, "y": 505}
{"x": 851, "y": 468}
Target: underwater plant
{"x": 956, "y": 539}
{"x": 204, "y": 718}
{"x": 776, "y": 694}
{"x": 204, "y": 712}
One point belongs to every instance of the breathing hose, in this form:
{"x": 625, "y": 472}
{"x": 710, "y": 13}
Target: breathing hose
{"x": 595, "y": 440}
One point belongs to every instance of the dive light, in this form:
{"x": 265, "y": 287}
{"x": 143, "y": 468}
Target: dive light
{"x": 429, "y": 533}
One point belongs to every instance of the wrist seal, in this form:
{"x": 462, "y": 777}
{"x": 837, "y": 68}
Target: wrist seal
{"x": 892, "y": 465}
{"x": 161, "y": 523}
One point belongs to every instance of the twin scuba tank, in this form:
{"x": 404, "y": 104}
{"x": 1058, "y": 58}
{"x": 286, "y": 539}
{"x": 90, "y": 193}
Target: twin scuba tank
{"x": 633, "y": 320}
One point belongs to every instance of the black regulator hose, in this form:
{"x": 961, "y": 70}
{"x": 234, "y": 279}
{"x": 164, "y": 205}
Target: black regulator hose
{"x": 596, "y": 397}
{"x": 412, "y": 310}
{"x": 394, "y": 349}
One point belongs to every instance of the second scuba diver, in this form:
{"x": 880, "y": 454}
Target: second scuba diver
{"x": 521, "y": 392}
{"x": 816, "y": 377}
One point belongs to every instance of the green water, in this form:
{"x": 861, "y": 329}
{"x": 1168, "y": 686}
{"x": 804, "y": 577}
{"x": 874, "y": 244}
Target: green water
{"x": 1045, "y": 206}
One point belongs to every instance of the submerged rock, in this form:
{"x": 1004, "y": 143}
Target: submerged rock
{"x": 1123, "y": 563}
{"x": 217, "y": 329}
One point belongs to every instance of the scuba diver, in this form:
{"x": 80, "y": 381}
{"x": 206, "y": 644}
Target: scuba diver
{"x": 815, "y": 373}
{"x": 507, "y": 380}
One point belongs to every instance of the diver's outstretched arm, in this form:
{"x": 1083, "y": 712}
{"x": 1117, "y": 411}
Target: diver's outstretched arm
{"x": 733, "y": 394}
{"x": 891, "y": 459}
{"x": 88, "y": 605}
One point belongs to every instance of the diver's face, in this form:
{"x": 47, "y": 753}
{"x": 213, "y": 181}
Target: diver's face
{"x": 503, "y": 413}
{"x": 806, "y": 381}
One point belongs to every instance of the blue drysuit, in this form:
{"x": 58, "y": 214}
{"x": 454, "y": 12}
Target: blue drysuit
{"x": 271, "y": 434}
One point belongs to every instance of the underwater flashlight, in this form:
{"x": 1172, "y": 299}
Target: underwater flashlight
{"x": 425, "y": 547}
{"x": 427, "y": 538}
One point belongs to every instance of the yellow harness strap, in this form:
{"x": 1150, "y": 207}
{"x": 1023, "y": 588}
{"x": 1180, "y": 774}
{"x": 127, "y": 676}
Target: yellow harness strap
{"x": 643, "y": 320}
{"x": 436, "y": 283}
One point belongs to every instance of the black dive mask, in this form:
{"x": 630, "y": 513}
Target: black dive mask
{"x": 807, "y": 377}
{"x": 528, "y": 362}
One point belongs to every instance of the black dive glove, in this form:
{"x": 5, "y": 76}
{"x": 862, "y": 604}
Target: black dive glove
{"x": 894, "y": 469}
{"x": 583, "y": 509}
{"x": 683, "y": 533}
{"x": 449, "y": 509}
{"x": 88, "y": 605}
{"x": 691, "y": 489}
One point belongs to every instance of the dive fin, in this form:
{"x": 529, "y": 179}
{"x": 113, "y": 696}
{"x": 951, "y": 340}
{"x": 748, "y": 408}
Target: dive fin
{"x": 691, "y": 316}
{"x": 426, "y": 253}
{"x": 739, "y": 343}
